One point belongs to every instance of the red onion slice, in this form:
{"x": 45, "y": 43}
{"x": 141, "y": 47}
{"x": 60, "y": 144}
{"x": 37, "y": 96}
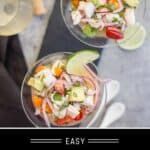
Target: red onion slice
{"x": 44, "y": 113}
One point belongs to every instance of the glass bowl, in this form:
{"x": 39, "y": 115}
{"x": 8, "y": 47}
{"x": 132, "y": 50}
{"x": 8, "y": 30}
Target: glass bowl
{"x": 98, "y": 42}
{"x": 28, "y": 107}
{"x": 16, "y": 16}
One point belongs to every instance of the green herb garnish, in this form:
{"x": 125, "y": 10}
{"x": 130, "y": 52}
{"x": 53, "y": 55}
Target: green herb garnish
{"x": 77, "y": 84}
{"x": 57, "y": 97}
{"x": 115, "y": 20}
{"x": 65, "y": 104}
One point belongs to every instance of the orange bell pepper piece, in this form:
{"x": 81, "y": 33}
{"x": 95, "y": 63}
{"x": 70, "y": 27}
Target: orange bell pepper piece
{"x": 40, "y": 68}
{"x": 115, "y": 3}
{"x": 48, "y": 109}
{"x": 37, "y": 101}
{"x": 58, "y": 71}
{"x": 75, "y": 3}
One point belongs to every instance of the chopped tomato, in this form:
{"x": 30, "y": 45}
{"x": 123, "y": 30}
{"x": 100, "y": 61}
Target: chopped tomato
{"x": 40, "y": 68}
{"x": 79, "y": 117}
{"x": 114, "y": 33}
{"x": 37, "y": 101}
{"x": 59, "y": 87}
{"x": 65, "y": 120}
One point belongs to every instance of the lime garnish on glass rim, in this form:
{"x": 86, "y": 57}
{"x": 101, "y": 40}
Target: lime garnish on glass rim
{"x": 77, "y": 61}
{"x": 134, "y": 37}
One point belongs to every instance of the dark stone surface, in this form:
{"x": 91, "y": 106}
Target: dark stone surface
{"x": 58, "y": 38}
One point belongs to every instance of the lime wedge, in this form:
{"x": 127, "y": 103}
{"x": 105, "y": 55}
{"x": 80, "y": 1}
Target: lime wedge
{"x": 77, "y": 61}
{"x": 129, "y": 33}
{"x": 132, "y": 3}
{"x": 134, "y": 37}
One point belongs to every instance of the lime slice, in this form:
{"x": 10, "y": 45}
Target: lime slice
{"x": 129, "y": 33}
{"x": 132, "y": 3}
{"x": 134, "y": 37}
{"x": 77, "y": 61}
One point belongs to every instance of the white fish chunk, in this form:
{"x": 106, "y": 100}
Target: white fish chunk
{"x": 77, "y": 106}
{"x": 113, "y": 17}
{"x": 72, "y": 111}
{"x": 76, "y": 17}
{"x": 89, "y": 101}
{"x": 49, "y": 80}
{"x": 62, "y": 113}
{"x": 96, "y": 23}
{"x": 89, "y": 9}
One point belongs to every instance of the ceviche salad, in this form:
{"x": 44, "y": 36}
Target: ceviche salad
{"x": 65, "y": 91}
{"x": 108, "y": 18}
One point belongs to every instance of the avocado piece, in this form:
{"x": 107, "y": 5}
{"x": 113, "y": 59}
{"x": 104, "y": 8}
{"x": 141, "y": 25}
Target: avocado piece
{"x": 132, "y": 3}
{"x": 77, "y": 94}
{"x": 89, "y": 31}
{"x": 36, "y": 84}
{"x": 97, "y": 3}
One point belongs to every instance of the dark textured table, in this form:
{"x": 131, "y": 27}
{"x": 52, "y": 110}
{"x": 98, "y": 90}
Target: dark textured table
{"x": 58, "y": 38}
{"x": 12, "y": 71}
